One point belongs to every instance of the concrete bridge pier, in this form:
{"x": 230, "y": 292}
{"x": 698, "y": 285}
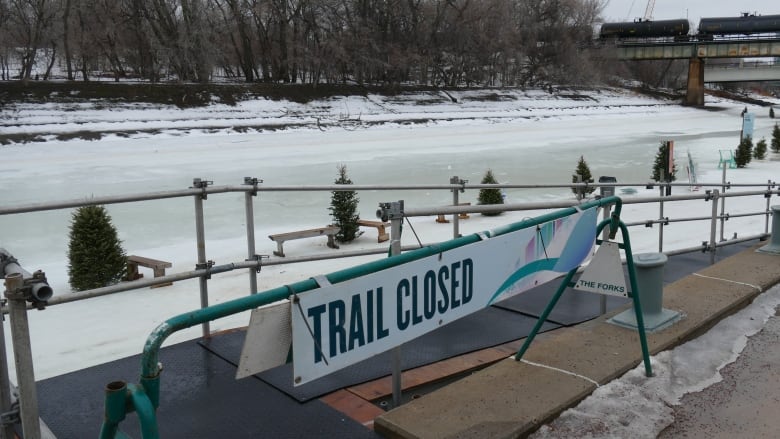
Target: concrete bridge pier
{"x": 695, "y": 94}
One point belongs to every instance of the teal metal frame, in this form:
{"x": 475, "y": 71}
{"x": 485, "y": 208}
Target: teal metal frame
{"x": 614, "y": 224}
{"x": 144, "y": 399}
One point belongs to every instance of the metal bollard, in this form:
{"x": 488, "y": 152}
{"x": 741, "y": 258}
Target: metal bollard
{"x": 650, "y": 282}
{"x": 774, "y": 242}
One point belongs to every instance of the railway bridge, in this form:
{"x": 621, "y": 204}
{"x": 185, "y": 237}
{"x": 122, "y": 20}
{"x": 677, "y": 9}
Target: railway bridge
{"x": 698, "y": 52}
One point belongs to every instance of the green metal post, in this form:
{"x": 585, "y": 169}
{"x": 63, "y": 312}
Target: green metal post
{"x": 612, "y": 222}
{"x": 640, "y": 321}
{"x": 146, "y": 411}
{"x": 121, "y": 398}
{"x": 546, "y": 313}
{"x": 114, "y": 411}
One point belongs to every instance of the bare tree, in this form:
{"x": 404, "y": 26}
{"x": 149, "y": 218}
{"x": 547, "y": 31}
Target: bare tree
{"x": 239, "y": 33}
{"x": 388, "y": 42}
{"x": 5, "y": 41}
{"x": 29, "y": 23}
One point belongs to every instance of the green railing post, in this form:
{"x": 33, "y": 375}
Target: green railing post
{"x": 545, "y": 314}
{"x": 614, "y": 224}
{"x": 640, "y": 321}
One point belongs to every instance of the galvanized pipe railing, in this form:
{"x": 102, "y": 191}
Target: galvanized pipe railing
{"x": 151, "y": 196}
{"x": 205, "y": 268}
{"x": 255, "y": 264}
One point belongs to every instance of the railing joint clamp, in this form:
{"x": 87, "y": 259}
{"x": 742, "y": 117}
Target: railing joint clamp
{"x": 11, "y": 417}
{"x": 254, "y": 182}
{"x": 259, "y": 260}
{"x": 198, "y": 183}
{"x": 205, "y": 266}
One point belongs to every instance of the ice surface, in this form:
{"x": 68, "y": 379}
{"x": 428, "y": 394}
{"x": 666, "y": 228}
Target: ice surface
{"x": 526, "y": 138}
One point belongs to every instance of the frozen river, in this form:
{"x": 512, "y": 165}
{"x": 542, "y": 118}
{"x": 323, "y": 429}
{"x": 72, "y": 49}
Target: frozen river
{"x": 529, "y": 139}
{"x": 618, "y": 137}
{"x": 525, "y": 140}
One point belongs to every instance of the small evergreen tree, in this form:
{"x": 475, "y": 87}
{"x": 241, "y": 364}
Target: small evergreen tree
{"x": 744, "y": 152}
{"x": 95, "y": 254}
{"x": 776, "y": 139}
{"x": 759, "y": 152}
{"x": 583, "y": 171}
{"x": 661, "y": 163}
{"x": 771, "y": 113}
{"x": 490, "y": 195}
{"x": 343, "y": 209}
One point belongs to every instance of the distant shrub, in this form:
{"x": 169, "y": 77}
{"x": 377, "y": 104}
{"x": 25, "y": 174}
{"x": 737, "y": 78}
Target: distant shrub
{"x": 343, "y": 209}
{"x": 759, "y": 152}
{"x": 661, "y": 163}
{"x": 490, "y": 195}
{"x": 776, "y": 139}
{"x": 744, "y": 152}
{"x": 583, "y": 171}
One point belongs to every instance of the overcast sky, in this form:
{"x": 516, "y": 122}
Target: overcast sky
{"x": 628, "y": 10}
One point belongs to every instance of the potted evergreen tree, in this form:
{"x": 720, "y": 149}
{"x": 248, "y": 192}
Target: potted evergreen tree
{"x": 490, "y": 195}
{"x": 744, "y": 152}
{"x": 582, "y": 175}
{"x": 95, "y": 254}
{"x": 343, "y": 209}
{"x": 661, "y": 165}
{"x": 776, "y": 139}
{"x": 759, "y": 152}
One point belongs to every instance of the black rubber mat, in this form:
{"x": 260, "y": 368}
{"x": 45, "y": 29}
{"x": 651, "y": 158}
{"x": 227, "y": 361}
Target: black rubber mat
{"x": 572, "y": 308}
{"x": 199, "y": 398}
{"x": 485, "y": 328}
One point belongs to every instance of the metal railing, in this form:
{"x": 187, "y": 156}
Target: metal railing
{"x": 204, "y": 269}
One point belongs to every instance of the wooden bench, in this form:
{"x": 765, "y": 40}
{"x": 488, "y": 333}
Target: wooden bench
{"x": 280, "y": 238}
{"x": 443, "y": 219}
{"x": 380, "y": 227}
{"x": 158, "y": 268}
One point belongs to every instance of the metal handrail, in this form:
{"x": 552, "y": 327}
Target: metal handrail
{"x": 161, "y": 195}
{"x": 200, "y": 192}
{"x": 409, "y": 212}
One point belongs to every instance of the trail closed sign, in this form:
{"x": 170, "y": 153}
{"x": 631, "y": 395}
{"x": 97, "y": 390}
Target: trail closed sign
{"x": 338, "y": 325}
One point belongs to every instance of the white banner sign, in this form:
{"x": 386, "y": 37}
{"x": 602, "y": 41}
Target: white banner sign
{"x": 339, "y": 325}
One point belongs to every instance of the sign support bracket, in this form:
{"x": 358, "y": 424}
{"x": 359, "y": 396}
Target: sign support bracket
{"x": 614, "y": 224}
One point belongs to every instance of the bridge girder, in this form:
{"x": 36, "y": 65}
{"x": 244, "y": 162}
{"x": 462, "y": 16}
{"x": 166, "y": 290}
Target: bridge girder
{"x": 713, "y": 49}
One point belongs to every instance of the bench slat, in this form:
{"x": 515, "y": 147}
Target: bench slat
{"x": 304, "y": 234}
{"x": 280, "y": 238}
{"x": 149, "y": 262}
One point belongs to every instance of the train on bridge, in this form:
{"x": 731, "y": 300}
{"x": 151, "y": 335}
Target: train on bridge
{"x": 680, "y": 29}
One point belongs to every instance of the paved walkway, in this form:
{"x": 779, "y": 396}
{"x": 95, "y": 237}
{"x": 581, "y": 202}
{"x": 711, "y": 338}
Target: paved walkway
{"x": 511, "y": 399}
{"x": 746, "y": 403}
